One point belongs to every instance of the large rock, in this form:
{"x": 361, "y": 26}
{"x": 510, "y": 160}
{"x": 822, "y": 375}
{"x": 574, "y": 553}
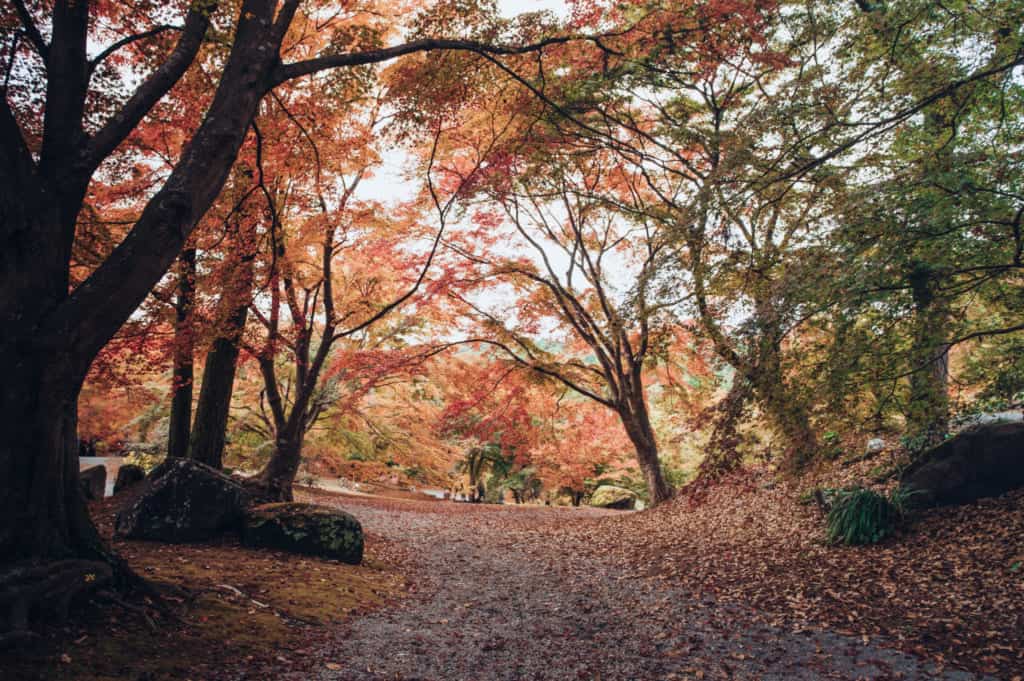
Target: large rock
{"x": 128, "y": 475}
{"x": 93, "y": 481}
{"x": 305, "y": 528}
{"x": 185, "y": 501}
{"x": 610, "y": 496}
{"x": 981, "y": 462}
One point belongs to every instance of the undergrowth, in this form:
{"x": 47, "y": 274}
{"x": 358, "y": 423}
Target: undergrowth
{"x": 862, "y": 516}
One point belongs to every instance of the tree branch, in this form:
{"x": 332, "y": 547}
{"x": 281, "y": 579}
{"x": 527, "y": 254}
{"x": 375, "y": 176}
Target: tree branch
{"x": 128, "y": 40}
{"x": 152, "y": 89}
{"x": 287, "y": 72}
{"x": 31, "y": 30}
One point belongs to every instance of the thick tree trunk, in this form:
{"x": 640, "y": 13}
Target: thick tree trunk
{"x": 640, "y": 433}
{"x": 277, "y": 477}
{"x": 184, "y": 349}
{"x": 44, "y": 514}
{"x": 211, "y": 421}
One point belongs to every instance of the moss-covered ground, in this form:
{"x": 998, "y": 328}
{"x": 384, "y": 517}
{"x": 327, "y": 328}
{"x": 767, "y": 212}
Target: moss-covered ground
{"x": 246, "y": 613}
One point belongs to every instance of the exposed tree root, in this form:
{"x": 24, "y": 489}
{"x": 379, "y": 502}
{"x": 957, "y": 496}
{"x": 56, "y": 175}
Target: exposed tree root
{"x": 45, "y": 590}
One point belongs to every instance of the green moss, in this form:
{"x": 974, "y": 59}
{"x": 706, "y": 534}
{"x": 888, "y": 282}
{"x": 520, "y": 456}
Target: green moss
{"x": 305, "y": 528}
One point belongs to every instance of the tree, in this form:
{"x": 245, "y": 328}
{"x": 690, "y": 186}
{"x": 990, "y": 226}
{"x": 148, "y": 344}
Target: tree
{"x": 932, "y": 225}
{"x": 742, "y": 146}
{"x": 54, "y": 136}
{"x": 576, "y": 249}
{"x": 184, "y": 350}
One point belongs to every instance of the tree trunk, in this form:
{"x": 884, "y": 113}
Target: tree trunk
{"x": 276, "y": 479}
{"x": 44, "y": 513}
{"x": 184, "y": 350}
{"x": 211, "y": 422}
{"x": 208, "y": 432}
{"x": 640, "y": 433}
{"x": 928, "y": 410}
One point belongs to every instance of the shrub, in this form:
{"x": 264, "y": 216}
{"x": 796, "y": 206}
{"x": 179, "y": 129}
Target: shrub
{"x": 863, "y": 516}
{"x": 358, "y": 456}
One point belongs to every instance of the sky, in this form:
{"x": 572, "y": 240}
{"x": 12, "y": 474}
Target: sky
{"x": 511, "y": 8}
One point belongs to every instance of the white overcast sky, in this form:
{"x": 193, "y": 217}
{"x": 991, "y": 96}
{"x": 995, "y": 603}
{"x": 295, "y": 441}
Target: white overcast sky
{"x": 510, "y": 8}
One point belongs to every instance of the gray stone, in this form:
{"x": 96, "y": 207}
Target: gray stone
{"x": 184, "y": 501}
{"x": 982, "y": 462}
{"x": 93, "y": 481}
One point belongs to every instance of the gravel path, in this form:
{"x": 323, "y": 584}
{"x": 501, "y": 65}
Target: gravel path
{"x": 498, "y": 593}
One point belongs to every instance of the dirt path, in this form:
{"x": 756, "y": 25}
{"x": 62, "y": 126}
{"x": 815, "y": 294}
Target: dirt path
{"x": 499, "y": 593}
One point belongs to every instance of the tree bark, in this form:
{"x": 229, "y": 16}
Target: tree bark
{"x": 928, "y": 409}
{"x": 211, "y": 420}
{"x": 640, "y": 433}
{"x": 184, "y": 348}
{"x": 276, "y": 479}
{"x": 43, "y": 510}
{"x": 208, "y": 432}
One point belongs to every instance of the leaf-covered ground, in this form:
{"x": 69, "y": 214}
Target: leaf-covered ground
{"x": 948, "y": 588}
{"x": 730, "y": 585}
{"x": 729, "y": 582}
{"x": 245, "y": 612}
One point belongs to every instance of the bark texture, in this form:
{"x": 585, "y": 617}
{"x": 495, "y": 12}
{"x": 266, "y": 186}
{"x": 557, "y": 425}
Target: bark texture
{"x": 184, "y": 349}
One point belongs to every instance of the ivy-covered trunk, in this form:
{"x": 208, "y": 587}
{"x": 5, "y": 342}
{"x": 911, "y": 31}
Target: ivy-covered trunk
{"x": 928, "y": 407}
{"x": 184, "y": 347}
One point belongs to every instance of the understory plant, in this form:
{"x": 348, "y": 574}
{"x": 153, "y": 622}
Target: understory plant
{"x": 863, "y": 516}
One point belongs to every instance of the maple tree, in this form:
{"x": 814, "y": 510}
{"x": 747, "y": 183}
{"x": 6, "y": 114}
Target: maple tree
{"x": 548, "y": 215}
{"x": 56, "y": 135}
{"x": 746, "y": 147}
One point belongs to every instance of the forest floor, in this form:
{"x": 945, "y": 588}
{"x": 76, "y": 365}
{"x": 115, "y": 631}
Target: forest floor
{"x": 247, "y": 612}
{"x": 727, "y": 582}
{"x": 687, "y": 591}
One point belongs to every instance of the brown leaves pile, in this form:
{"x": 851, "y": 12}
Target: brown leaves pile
{"x": 949, "y": 586}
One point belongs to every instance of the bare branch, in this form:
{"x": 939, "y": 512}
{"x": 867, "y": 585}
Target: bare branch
{"x": 128, "y": 40}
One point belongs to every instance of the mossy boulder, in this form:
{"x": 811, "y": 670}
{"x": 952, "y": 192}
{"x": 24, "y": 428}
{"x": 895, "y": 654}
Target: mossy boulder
{"x": 184, "y": 501}
{"x": 610, "y": 496}
{"x": 305, "y": 528}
